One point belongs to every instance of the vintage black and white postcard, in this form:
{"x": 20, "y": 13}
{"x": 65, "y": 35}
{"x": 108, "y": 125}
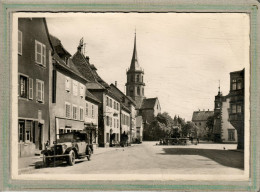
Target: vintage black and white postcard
{"x": 132, "y": 97}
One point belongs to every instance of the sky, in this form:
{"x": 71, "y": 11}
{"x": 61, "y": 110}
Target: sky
{"x": 183, "y": 55}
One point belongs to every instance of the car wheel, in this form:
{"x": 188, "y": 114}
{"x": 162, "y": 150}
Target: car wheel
{"x": 71, "y": 159}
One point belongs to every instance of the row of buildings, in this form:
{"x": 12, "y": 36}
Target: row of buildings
{"x": 228, "y": 114}
{"x": 61, "y": 93}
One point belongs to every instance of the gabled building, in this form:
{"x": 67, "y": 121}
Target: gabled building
{"x": 199, "y": 118}
{"x": 34, "y": 60}
{"x": 68, "y": 109}
{"x": 128, "y": 103}
{"x": 109, "y": 106}
{"x": 237, "y": 99}
{"x": 150, "y": 108}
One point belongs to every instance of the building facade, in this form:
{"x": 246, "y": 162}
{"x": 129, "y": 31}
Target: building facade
{"x": 236, "y": 112}
{"x": 109, "y": 106}
{"x": 34, "y": 59}
{"x": 68, "y": 109}
{"x": 199, "y": 118}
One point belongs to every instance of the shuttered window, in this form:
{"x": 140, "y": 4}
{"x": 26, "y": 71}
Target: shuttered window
{"x": 39, "y": 91}
{"x": 40, "y": 53}
{"x": 20, "y": 42}
{"x": 30, "y": 88}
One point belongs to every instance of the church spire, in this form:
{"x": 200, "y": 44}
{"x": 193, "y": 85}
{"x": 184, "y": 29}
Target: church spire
{"x": 134, "y": 62}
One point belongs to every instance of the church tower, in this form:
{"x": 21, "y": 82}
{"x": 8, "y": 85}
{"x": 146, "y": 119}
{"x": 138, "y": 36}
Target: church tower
{"x": 135, "y": 79}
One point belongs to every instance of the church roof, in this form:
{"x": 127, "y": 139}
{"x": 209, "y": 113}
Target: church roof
{"x": 149, "y": 103}
{"x": 134, "y": 62}
{"x": 201, "y": 115}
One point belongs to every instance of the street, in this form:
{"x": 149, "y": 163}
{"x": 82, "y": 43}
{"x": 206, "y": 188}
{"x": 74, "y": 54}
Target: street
{"x": 149, "y": 158}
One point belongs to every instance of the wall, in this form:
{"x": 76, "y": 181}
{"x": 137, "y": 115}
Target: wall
{"x": 58, "y": 108}
{"x": 226, "y": 125}
{"x": 34, "y": 29}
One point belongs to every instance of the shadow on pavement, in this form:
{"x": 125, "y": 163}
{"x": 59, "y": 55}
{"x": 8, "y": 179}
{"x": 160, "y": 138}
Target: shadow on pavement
{"x": 224, "y": 157}
{"x": 57, "y": 163}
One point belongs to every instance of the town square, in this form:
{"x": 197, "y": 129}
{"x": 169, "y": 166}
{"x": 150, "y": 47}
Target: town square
{"x": 115, "y": 94}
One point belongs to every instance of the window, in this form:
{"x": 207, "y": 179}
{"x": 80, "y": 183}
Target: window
{"x": 131, "y": 91}
{"x": 86, "y": 109}
{"x": 142, "y": 78}
{"x": 117, "y": 123}
{"x": 67, "y": 110}
{"x": 137, "y": 78}
{"x": 66, "y": 60}
{"x": 114, "y": 105}
{"x": 132, "y": 78}
{"x": 92, "y": 111}
{"x": 81, "y": 90}
{"x": 39, "y": 91}
{"x": 234, "y": 84}
{"x": 61, "y": 131}
{"x": 67, "y": 84}
{"x": 30, "y": 88}
{"x": 239, "y": 109}
{"x": 74, "y": 112}
{"x": 117, "y": 106}
{"x": 25, "y": 131}
{"x": 21, "y": 126}
{"x": 23, "y": 86}
{"x": 107, "y": 101}
{"x": 143, "y": 90}
{"x": 239, "y": 84}
{"x": 233, "y": 108}
{"x": 20, "y": 42}
{"x": 138, "y": 90}
{"x": 107, "y": 121}
{"x": 81, "y": 113}
{"x": 231, "y": 135}
{"x": 75, "y": 88}
{"x": 110, "y": 103}
{"x": 40, "y": 53}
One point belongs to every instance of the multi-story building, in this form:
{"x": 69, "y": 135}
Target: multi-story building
{"x": 223, "y": 130}
{"x": 125, "y": 124}
{"x": 236, "y": 112}
{"x": 229, "y": 133}
{"x": 68, "y": 109}
{"x": 129, "y": 103}
{"x": 34, "y": 59}
{"x": 109, "y": 106}
{"x": 199, "y": 118}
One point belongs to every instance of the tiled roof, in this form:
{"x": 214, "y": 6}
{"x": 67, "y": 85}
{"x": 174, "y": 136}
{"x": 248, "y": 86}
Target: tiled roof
{"x": 148, "y": 103}
{"x": 70, "y": 67}
{"x": 83, "y": 66}
{"x": 201, "y": 115}
{"x": 58, "y": 45}
{"x": 122, "y": 94}
{"x": 91, "y": 97}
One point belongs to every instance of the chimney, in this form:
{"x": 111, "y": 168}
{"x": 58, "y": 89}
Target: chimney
{"x": 116, "y": 83}
{"x": 87, "y": 58}
{"x": 208, "y": 109}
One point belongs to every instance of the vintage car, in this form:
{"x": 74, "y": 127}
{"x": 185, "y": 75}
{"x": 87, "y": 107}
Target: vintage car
{"x": 69, "y": 146}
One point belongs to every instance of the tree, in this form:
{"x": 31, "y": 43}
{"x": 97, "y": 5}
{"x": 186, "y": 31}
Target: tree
{"x": 210, "y": 126}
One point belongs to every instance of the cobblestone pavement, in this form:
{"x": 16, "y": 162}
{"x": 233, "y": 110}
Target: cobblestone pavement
{"x": 149, "y": 158}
